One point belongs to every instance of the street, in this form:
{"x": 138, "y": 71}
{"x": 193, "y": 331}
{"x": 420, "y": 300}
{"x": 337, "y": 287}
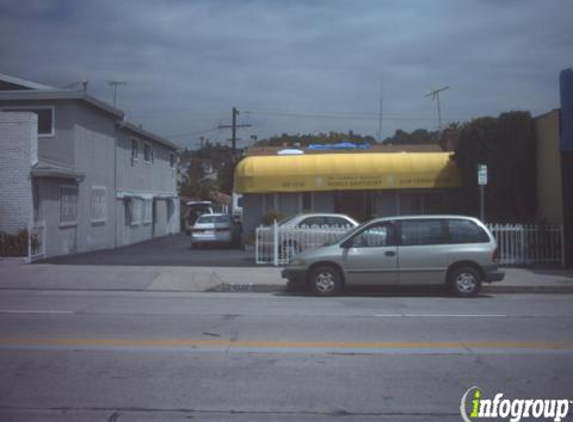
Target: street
{"x": 143, "y": 356}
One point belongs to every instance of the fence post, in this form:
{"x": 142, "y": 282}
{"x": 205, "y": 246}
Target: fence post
{"x": 562, "y": 246}
{"x": 30, "y": 231}
{"x": 257, "y": 245}
{"x": 275, "y": 244}
{"x": 522, "y": 233}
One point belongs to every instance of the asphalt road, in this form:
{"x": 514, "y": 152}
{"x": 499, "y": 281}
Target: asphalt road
{"x": 165, "y": 251}
{"x": 145, "y": 356}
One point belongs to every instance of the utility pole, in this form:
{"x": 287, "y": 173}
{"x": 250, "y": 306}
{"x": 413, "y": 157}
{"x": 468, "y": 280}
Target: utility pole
{"x": 435, "y": 94}
{"x": 380, "y": 111}
{"x": 114, "y": 85}
{"x": 234, "y": 126}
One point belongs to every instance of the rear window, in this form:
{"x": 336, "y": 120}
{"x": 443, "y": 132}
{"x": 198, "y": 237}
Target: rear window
{"x": 207, "y": 218}
{"x": 466, "y": 231}
{"x": 421, "y": 232}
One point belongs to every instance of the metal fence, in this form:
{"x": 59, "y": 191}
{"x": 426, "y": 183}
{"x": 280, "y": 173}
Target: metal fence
{"x": 529, "y": 244}
{"x": 519, "y": 244}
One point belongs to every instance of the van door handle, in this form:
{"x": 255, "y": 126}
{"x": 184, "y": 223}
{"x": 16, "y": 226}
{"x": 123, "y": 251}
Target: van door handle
{"x": 390, "y": 253}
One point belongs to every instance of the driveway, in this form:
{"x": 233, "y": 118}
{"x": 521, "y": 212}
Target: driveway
{"x": 165, "y": 251}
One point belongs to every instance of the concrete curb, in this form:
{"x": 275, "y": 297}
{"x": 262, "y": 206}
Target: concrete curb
{"x": 499, "y": 289}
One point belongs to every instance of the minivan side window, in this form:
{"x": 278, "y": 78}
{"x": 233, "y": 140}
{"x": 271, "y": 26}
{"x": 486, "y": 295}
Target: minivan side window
{"x": 421, "y": 232}
{"x": 375, "y": 236}
{"x": 466, "y": 231}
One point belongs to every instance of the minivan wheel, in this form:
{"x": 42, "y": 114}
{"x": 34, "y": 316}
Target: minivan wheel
{"x": 465, "y": 282}
{"x": 325, "y": 281}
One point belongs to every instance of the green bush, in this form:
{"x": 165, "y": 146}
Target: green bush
{"x": 14, "y": 245}
{"x": 269, "y": 218}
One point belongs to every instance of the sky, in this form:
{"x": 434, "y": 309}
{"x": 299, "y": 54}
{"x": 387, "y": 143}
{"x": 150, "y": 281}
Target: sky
{"x": 294, "y": 66}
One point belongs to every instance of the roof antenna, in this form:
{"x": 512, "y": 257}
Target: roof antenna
{"x": 114, "y": 85}
{"x": 435, "y": 94}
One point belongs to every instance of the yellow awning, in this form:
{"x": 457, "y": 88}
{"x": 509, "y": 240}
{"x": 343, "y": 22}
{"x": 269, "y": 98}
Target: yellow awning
{"x": 358, "y": 171}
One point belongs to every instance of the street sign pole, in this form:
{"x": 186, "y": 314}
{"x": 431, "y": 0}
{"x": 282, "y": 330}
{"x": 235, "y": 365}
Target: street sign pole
{"x": 482, "y": 203}
{"x": 482, "y": 182}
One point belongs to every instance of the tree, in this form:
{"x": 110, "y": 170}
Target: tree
{"x": 506, "y": 144}
{"x": 321, "y": 138}
{"x": 417, "y": 137}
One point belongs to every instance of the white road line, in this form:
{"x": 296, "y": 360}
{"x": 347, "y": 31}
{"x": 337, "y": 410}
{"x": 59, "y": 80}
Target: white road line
{"x": 31, "y": 311}
{"x": 440, "y": 316}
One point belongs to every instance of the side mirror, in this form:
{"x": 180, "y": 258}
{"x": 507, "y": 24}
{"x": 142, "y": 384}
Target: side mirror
{"x": 346, "y": 244}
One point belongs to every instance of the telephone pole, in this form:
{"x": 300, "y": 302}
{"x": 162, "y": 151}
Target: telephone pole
{"x": 234, "y": 126}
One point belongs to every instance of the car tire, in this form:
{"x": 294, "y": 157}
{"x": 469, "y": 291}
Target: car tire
{"x": 464, "y": 282}
{"x": 325, "y": 280}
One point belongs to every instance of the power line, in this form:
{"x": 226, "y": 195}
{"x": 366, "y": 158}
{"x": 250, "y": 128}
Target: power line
{"x": 183, "y": 135}
{"x": 364, "y": 116}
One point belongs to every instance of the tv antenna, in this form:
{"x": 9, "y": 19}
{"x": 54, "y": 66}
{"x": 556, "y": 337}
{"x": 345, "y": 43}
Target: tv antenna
{"x": 435, "y": 94}
{"x": 114, "y": 85}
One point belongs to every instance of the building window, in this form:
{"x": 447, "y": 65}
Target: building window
{"x": 134, "y": 211}
{"x": 147, "y": 211}
{"x": 99, "y": 207}
{"x": 306, "y": 201}
{"x": 147, "y": 153}
{"x": 269, "y": 202}
{"x": 134, "y": 150}
{"x": 45, "y": 118}
{"x": 172, "y": 160}
{"x": 68, "y": 205}
{"x": 411, "y": 204}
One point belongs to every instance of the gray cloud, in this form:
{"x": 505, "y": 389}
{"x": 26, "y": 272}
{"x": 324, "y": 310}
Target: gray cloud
{"x": 188, "y": 62}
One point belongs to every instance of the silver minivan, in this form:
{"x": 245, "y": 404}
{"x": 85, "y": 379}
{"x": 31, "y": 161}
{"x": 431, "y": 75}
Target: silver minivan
{"x": 456, "y": 251}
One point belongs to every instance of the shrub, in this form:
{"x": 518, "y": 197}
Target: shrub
{"x": 270, "y": 217}
{"x": 14, "y": 245}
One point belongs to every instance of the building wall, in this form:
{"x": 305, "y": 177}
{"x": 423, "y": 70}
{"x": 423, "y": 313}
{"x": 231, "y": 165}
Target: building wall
{"x": 549, "y": 183}
{"x": 90, "y": 136}
{"x": 323, "y": 202}
{"x": 154, "y": 179}
{"x": 59, "y": 148}
{"x": 386, "y": 203}
{"x": 94, "y": 140}
{"x": 252, "y": 212}
{"x": 18, "y": 143}
{"x": 85, "y": 139}
{"x": 60, "y": 239}
{"x": 137, "y": 175}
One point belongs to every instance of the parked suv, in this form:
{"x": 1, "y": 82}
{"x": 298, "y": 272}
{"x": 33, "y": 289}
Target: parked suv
{"x": 457, "y": 251}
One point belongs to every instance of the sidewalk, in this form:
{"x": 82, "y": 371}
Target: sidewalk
{"x": 219, "y": 279}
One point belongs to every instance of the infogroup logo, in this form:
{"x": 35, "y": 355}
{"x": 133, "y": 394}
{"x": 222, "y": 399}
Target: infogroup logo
{"x": 512, "y": 409}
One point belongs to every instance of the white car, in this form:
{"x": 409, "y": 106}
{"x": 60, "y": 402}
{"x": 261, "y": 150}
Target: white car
{"x": 298, "y": 232}
{"x": 212, "y": 228}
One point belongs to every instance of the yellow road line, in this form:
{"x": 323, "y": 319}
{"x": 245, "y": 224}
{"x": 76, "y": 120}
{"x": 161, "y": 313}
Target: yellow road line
{"x": 253, "y": 344}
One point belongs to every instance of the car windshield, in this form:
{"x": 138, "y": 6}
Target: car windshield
{"x": 286, "y": 220}
{"x": 211, "y": 219}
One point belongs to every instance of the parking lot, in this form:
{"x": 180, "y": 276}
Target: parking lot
{"x": 165, "y": 251}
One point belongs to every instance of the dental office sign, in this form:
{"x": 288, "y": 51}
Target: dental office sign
{"x": 474, "y": 407}
{"x": 482, "y": 175}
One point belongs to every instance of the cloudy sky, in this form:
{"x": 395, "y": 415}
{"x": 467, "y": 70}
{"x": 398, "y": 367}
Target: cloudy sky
{"x": 294, "y": 66}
